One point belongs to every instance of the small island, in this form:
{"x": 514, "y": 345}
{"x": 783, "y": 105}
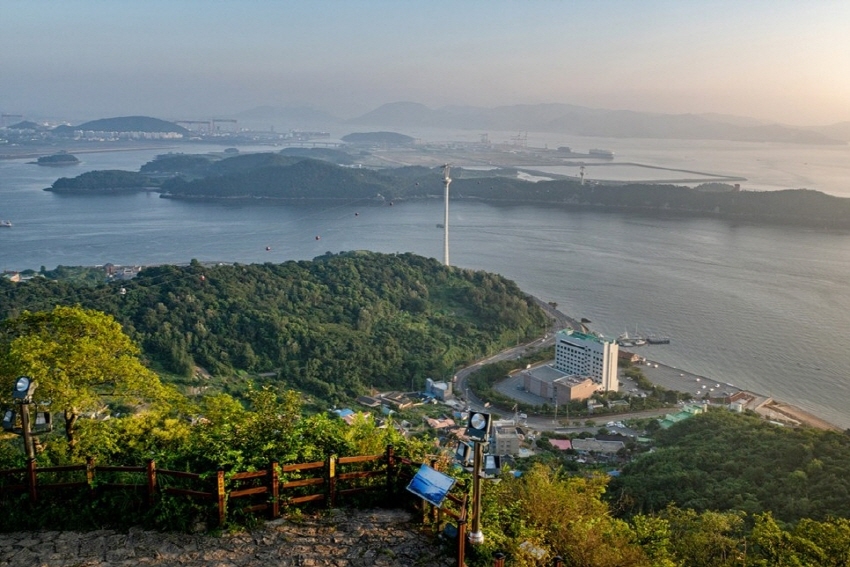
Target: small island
{"x": 103, "y": 182}
{"x": 62, "y": 158}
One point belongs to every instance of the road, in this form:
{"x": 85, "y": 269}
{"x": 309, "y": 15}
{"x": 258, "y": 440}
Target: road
{"x": 560, "y": 321}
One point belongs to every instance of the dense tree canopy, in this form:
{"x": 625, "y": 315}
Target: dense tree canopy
{"x": 724, "y": 461}
{"x": 77, "y": 356}
{"x": 334, "y": 326}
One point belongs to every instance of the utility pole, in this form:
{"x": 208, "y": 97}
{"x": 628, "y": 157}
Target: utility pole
{"x": 446, "y": 181}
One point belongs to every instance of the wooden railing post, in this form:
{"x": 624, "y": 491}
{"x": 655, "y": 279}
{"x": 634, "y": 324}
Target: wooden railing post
{"x": 31, "y": 479}
{"x": 274, "y": 489}
{"x": 151, "y": 477}
{"x": 90, "y": 473}
{"x": 331, "y": 477}
{"x": 558, "y": 561}
{"x": 461, "y": 542}
{"x": 390, "y": 473}
{"x": 499, "y": 560}
{"x": 222, "y": 496}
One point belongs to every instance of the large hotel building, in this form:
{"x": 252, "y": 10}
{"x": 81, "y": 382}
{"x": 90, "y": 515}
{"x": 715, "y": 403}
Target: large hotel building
{"x": 587, "y": 355}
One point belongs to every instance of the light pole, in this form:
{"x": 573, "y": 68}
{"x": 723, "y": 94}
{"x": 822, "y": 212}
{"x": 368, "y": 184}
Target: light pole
{"x": 22, "y": 391}
{"x": 478, "y": 429}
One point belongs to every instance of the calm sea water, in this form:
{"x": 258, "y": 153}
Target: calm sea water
{"x": 764, "y": 308}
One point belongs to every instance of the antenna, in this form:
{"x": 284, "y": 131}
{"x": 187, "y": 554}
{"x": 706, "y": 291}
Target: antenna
{"x": 446, "y": 181}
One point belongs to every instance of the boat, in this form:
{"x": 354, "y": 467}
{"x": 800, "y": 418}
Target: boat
{"x": 657, "y": 340}
{"x": 597, "y": 153}
{"x": 625, "y": 340}
{"x": 5, "y": 224}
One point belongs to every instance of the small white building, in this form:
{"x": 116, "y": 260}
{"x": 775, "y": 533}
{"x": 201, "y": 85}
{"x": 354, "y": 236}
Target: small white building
{"x": 506, "y": 440}
{"x": 440, "y": 390}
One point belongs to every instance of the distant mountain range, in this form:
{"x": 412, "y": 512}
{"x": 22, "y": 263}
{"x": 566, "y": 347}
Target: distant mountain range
{"x": 289, "y": 118}
{"x": 582, "y": 121}
{"x": 554, "y": 117}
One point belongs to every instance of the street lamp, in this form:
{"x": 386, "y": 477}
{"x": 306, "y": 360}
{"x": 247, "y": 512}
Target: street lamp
{"x": 478, "y": 429}
{"x": 22, "y": 393}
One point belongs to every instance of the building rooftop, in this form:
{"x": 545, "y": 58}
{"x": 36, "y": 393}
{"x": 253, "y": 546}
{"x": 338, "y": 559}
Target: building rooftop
{"x": 581, "y": 336}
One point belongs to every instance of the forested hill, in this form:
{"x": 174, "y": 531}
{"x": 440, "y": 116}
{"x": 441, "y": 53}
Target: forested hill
{"x": 304, "y": 179}
{"x": 299, "y": 179}
{"x": 125, "y": 124}
{"x": 723, "y": 461}
{"x": 333, "y": 326}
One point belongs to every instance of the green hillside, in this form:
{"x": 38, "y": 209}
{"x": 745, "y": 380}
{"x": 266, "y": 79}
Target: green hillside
{"x": 333, "y": 326}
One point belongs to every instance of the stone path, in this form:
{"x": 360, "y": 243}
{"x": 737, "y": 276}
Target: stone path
{"x": 337, "y": 538}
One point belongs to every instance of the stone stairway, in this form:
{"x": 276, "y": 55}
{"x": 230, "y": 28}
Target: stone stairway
{"x": 335, "y": 538}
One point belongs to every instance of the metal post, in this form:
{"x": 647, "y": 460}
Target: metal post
{"x": 32, "y": 479}
{"x": 499, "y": 560}
{"x": 29, "y": 447}
{"x": 475, "y": 536}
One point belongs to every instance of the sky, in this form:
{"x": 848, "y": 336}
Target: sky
{"x": 777, "y": 60}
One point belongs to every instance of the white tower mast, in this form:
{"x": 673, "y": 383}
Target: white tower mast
{"x": 446, "y": 181}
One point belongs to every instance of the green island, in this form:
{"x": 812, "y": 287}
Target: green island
{"x": 58, "y": 159}
{"x": 206, "y": 368}
{"x": 308, "y": 176}
{"x": 102, "y": 182}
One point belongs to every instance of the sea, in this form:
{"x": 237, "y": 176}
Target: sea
{"x": 764, "y": 308}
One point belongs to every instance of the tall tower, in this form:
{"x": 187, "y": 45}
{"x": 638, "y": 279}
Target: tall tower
{"x": 446, "y": 181}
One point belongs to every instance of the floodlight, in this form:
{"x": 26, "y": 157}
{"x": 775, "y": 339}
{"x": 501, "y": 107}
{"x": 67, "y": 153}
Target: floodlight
{"x": 478, "y": 426}
{"x": 24, "y": 387}
{"x": 9, "y": 420}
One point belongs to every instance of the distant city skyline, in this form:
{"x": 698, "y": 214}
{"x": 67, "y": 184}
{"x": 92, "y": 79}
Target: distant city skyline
{"x": 778, "y": 60}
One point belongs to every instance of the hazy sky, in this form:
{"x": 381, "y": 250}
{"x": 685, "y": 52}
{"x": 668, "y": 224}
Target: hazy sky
{"x": 787, "y": 61}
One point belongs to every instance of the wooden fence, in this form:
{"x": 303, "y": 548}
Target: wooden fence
{"x": 329, "y": 483}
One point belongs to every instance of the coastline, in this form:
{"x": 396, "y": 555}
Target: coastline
{"x": 681, "y": 380}
{"x": 774, "y": 410}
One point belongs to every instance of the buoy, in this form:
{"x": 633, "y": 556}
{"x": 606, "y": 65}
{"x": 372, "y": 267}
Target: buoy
{"x": 318, "y": 237}
{"x": 356, "y": 214}
{"x": 268, "y": 248}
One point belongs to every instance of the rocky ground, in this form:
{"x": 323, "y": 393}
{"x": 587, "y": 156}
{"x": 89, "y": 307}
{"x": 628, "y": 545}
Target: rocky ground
{"x": 337, "y": 538}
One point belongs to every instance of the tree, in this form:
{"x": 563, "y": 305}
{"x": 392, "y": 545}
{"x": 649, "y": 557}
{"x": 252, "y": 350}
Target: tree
{"x": 80, "y": 359}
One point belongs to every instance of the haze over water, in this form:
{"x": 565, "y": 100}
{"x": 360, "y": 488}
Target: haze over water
{"x": 765, "y": 308}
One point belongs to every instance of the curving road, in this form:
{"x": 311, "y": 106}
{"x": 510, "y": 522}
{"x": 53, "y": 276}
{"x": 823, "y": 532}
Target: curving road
{"x": 560, "y": 321}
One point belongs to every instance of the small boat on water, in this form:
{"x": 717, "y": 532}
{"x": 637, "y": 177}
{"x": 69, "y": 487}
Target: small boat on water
{"x": 657, "y": 340}
{"x": 5, "y": 224}
{"x": 625, "y": 340}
